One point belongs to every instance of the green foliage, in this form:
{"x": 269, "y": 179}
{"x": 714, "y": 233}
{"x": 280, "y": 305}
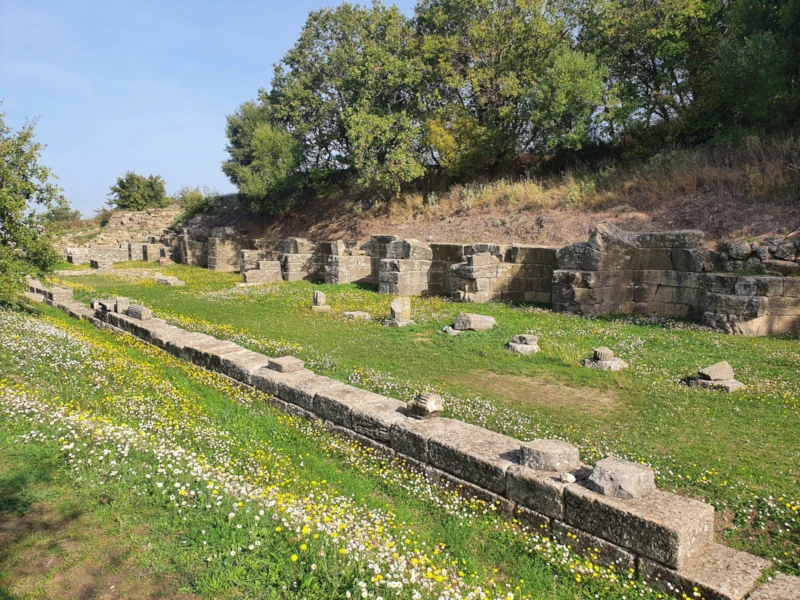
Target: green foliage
{"x": 264, "y": 158}
{"x": 25, "y": 185}
{"x": 193, "y": 200}
{"x": 61, "y": 212}
{"x": 137, "y": 192}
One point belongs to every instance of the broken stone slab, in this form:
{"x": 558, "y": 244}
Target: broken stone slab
{"x": 730, "y": 385}
{"x": 663, "y": 527}
{"x": 550, "y": 455}
{"x": 286, "y": 364}
{"x": 425, "y": 405}
{"x": 524, "y": 348}
{"x": 717, "y": 572}
{"x": 602, "y": 353}
{"x": 473, "y": 322}
{"x": 620, "y": 478}
{"x": 450, "y": 331}
{"x": 400, "y": 309}
{"x": 721, "y": 371}
{"x": 478, "y": 455}
{"x": 597, "y": 549}
{"x": 140, "y": 312}
{"x": 615, "y": 364}
{"x": 782, "y": 587}
{"x": 358, "y": 315}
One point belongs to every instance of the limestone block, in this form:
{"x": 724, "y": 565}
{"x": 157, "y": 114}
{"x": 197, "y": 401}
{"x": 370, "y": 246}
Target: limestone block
{"x": 784, "y": 267}
{"x": 597, "y": 549}
{"x": 541, "y": 491}
{"x": 782, "y": 587}
{"x": 523, "y": 349}
{"x": 210, "y": 356}
{"x": 717, "y": 372}
{"x": 451, "y": 253}
{"x": 299, "y": 387}
{"x": 791, "y": 287}
{"x": 466, "y": 489}
{"x": 336, "y": 404}
{"x": 621, "y": 478}
{"x": 409, "y": 249}
{"x": 401, "y": 309}
{"x": 482, "y": 260}
{"x": 139, "y": 312}
{"x": 609, "y": 238}
{"x": 531, "y": 254}
{"x": 262, "y": 276}
{"x": 717, "y": 572}
{"x": 688, "y": 259}
{"x": 286, "y": 364}
{"x": 473, "y": 322}
{"x": 411, "y": 436}
{"x": 786, "y": 251}
{"x": 727, "y": 385}
{"x": 550, "y": 455}
{"x": 121, "y": 304}
{"x": 721, "y": 284}
{"x": 475, "y": 454}
{"x": 759, "y": 286}
{"x": 374, "y": 417}
{"x": 689, "y": 238}
{"x": 357, "y": 315}
{"x": 740, "y": 250}
{"x": 594, "y": 260}
{"x": 615, "y": 364}
{"x": 651, "y": 259}
{"x": 664, "y": 527}
{"x": 784, "y": 307}
{"x": 241, "y": 364}
{"x": 425, "y": 405}
{"x": 571, "y": 257}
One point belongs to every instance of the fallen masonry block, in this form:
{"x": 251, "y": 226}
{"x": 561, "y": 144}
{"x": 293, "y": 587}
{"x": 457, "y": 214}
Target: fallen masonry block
{"x": 716, "y": 572}
{"x": 663, "y": 527}
{"x": 169, "y": 280}
{"x": 286, "y": 364}
{"x": 139, "y": 312}
{"x": 450, "y": 331}
{"x": 550, "y": 455}
{"x": 524, "y": 344}
{"x": 121, "y": 305}
{"x": 720, "y": 371}
{"x": 358, "y": 315}
{"x": 469, "y": 321}
{"x": 621, "y": 478}
{"x": 425, "y": 405}
{"x": 603, "y": 358}
{"x": 400, "y": 312}
{"x": 320, "y": 303}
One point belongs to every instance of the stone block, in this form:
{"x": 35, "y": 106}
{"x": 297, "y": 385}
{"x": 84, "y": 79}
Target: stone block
{"x": 121, "y": 304}
{"x": 727, "y": 385}
{"x": 598, "y": 550}
{"x": 621, "y": 478}
{"x": 688, "y": 259}
{"x": 523, "y": 349}
{"x": 594, "y": 260}
{"x": 139, "y": 312}
{"x": 759, "y": 286}
{"x": 262, "y": 276}
{"x": 475, "y": 454}
{"x": 357, "y": 315}
{"x": 409, "y": 249}
{"x": 717, "y": 572}
{"x": 425, "y": 405}
{"x": 688, "y": 238}
{"x": 299, "y": 387}
{"x": 782, "y": 587}
{"x": 336, "y": 404}
{"x": 466, "y": 489}
{"x": 473, "y": 322}
{"x": 286, "y": 364}
{"x": 374, "y": 417}
{"x": 664, "y": 527}
{"x": 541, "y": 491}
{"x": 791, "y": 287}
{"x": 651, "y": 259}
{"x": 241, "y": 364}
{"x": 784, "y": 267}
{"x": 550, "y": 455}
{"x": 717, "y": 372}
{"x": 543, "y": 255}
{"x": 452, "y": 253}
{"x": 411, "y": 436}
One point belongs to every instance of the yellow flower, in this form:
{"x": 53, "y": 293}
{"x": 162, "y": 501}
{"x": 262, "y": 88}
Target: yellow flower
{"x": 294, "y": 557}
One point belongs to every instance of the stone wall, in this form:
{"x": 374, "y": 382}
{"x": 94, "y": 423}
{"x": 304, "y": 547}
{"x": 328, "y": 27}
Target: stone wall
{"x": 224, "y": 247}
{"x": 666, "y": 538}
{"x": 104, "y": 254}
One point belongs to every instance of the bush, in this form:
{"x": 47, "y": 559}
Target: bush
{"x": 137, "y": 192}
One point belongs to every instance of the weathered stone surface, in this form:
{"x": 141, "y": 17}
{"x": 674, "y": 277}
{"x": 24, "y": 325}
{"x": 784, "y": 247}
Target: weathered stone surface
{"x": 469, "y": 321}
{"x": 715, "y": 571}
{"x": 728, "y": 385}
{"x": 121, "y": 304}
{"x": 298, "y": 387}
{"x": 409, "y": 250}
{"x": 717, "y": 372}
{"x": 450, "y": 331}
{"x": 411, "y": 436}
{"x": 527, "y": 338}
{"x": 619, "y": 478}
{"x": 320, "y": 299}
{"x": 615, "y": 364}
{"x": 139, "y": 312}
{"x": 602, "y": 353}
{"x": 241, "y": 364}
{"x": 597, "y": 549}
{"x": 286, "y": 364}
{"x": 541, "y": 491}
{"x": 784, "y": 267}
{"x": 425, "y": 405}
{"x": 358, "y": 315}
{"x": 375, "y": 416}
{"x": 478, "y": 455}
{"x": 782, "y": 587}
{"x": 466, "y": 489}
{"x": 550, "y": 455}
{"x": 336, "y": 404}
{"x": 740, "y": 250}
{"x": 661, "y": 526}
{"x": 786, "y": 251}
{"x": 401, "y": 308}
{"x": 523, "y": 349}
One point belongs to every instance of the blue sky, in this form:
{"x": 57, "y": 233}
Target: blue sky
{"x": 141, "y": 86}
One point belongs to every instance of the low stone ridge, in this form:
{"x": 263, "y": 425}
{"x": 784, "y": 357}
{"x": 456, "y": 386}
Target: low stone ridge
{"x": 669, "y": 537}
{"x": 550, "y": 455}
{"x": 286, "y": 364}
{"x": 425, "y": 405}
{"x": 473, "y": 322}
{"x": 621, "y": 478}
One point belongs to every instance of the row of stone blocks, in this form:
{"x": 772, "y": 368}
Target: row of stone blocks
{"x": 668, "y": 538}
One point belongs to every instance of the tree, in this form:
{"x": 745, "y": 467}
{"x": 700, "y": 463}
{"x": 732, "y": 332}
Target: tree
{"x": 61, "y": 212}
{"x": 264, "y": 158}
{"x": 137, "y": 192}
{"x": 500, "y": 81}
{"x": 348, "y": 92}
{"x": 25, "y": 185}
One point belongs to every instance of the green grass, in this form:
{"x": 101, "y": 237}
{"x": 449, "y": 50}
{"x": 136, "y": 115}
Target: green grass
{"x": 114, "y": 506}
{"x": 738, "y": 451}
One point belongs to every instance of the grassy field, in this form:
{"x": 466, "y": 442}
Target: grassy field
{"x": 127, "y": 473}
{"x": 739, "y": 451}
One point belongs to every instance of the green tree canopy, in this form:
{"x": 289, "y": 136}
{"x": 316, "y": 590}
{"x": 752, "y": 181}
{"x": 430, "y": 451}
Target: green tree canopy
{"x": 61, "y": 212}
{"x": 26, "y": 189}
{"x": 137, "y": 192}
